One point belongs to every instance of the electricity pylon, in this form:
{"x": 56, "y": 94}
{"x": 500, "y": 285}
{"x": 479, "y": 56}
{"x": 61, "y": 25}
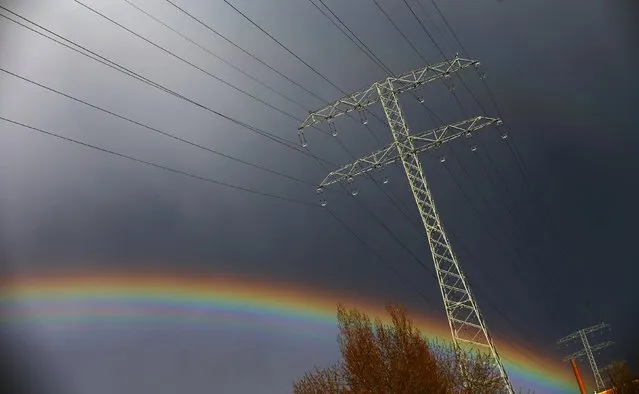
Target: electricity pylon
{"x": 588, "y": 350}
{"x": 465, "y": 320}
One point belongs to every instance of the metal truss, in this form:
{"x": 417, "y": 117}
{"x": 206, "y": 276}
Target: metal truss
{"x": 403, "y": 83}
{"x": 464, "y": 318}
{"x": 421, "y": 142}
{"x": 593, "y": 349}
{"x": 588, "y": 350}
{"x": 577, "y": 334}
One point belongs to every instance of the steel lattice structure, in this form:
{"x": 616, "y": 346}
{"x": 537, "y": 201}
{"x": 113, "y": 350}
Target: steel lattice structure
{"x": 464, "y": 318}
{"x": 588, "y": 350}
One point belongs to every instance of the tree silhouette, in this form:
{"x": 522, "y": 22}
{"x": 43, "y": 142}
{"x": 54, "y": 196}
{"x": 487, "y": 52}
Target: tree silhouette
{"x": 621, "y": 379}
{"x": 395, "y": 358}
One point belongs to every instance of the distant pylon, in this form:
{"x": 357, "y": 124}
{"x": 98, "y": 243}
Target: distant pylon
{"x": 588, "y": 350}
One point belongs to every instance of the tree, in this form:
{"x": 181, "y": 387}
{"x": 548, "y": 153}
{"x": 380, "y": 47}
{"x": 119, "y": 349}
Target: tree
{"x": 467, "y": 371}
{"x": 396, "y": 358}
{"x": 323, "y": 381}
{"x": 621, "y": 379}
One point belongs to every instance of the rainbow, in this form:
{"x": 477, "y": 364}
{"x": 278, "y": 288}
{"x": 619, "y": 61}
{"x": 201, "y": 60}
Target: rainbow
{"x": 75, "y": 301}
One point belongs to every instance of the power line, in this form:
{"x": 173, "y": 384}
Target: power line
{"x": 419, "y": 53}
{"x": 421, "y": 263}
{"x": 298, "y": 58}
{"x": 301, "y": 60}
{"x": 371, "y": 55}
{"x": 159, "y": 166}
{"x": 400, "y": 32}
{"x": 432, "y": 39}
{"x": 518, "y": 257}
{"x": 389, "y": 265}
{"x": 375, "y": 59}
{"x": 244, "y": 51}
{"x": 383, "y": 225}
{"x": 296, "y": 102}
{"x": 212, "y": 54}
{"x": 401, "y": 243}
{"x": 458, "y": 76}
{"x": 193, "y": 65}
{"x": 178, "y": 137}
{"x": 158, "y": 131}
{"x": 432, "y": 22}
{"x": 126, "y": 71}
{"x": 418, "y": 260}
{"x": 136, "y": 74}
{"x": 435, "y": 115}
{"x": 187, "y": 62}
{"x": 512, "y": 147}
{"x": 226, "y": 62}
{"x": 471, "y": 255}
{"x": 362, "y": 46}
{"x": 441, "y": 14}
{"x": 465, "y": 320}
{"x": 285, "y": 47}
{"x": 354, "y": 37}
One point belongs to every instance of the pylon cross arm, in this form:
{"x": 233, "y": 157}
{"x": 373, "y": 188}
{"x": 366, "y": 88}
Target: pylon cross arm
{"x": 464, "y": 318}
{"x": 402, "y": 83}
{"x": 575, "y": 355}
{"x": 421, "y": 142}
{"x": 588, "y": 330}
{"x": 598, "y": 327}
{"x": 377, "y": 159}
{"x": 595, "y": 348}
{"x": 569, "y": 337}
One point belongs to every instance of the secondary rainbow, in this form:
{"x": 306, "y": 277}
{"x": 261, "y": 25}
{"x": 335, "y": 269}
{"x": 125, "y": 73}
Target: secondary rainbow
{"x": 75, "y": 301}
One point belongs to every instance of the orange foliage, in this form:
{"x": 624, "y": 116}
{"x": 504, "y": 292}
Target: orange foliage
{"x": 395, "y": 358}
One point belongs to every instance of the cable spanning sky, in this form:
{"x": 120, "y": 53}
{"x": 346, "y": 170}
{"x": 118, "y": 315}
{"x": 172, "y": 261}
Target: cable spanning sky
{"x": 145, "y": 143}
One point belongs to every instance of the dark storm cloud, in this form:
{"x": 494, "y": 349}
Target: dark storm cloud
{"x": 562, "y": 73}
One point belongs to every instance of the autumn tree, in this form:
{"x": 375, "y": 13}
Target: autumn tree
{"x": 467, "y": 371}
{"x": 396, "y": 358}
{"x": 622, "y": 379}
{"x": 331, "y": 380}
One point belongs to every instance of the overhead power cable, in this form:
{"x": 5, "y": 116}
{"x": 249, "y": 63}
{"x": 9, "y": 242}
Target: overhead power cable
{"x": 378, "y": 61}
{"x": 465, "y": 112}
{"x": 373, "y": 57}
{"x": 400, "y": 31}
{"x": 202, "y": 70}
{"x": 210, "y": 52}
{"x": 432, "y": 22}
{"x": 388, "y": 264}
{"x": 180, "y": 58}
{"x": 158, "y": 166}
{"x": 431, "y": 113}
{"x": 379, "y": 221}
{"x": 512, "y": 147}
{"x": 231, "y": 42}
{"x": 126, "y": 71}
{"x": 285, "y": 47}
{"x": 208, "y": 27}
{"x": 359, "y": 43}
{"x": 301, "y": 60}
{"x": 144, "y": 79}
{"x": 158, "y": 131}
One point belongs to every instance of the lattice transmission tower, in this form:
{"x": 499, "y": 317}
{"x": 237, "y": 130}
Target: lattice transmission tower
{"x": 464, "y": 318}
{"x": 588, "y": 350}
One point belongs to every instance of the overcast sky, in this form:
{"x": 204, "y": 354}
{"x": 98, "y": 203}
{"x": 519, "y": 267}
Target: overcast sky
{"x": 553, "y": 252}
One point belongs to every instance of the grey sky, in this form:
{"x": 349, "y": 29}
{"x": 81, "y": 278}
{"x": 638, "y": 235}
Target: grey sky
{"x": 563, "y": 74}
